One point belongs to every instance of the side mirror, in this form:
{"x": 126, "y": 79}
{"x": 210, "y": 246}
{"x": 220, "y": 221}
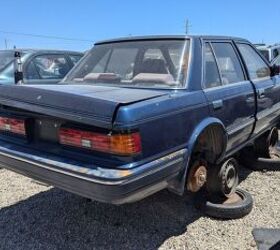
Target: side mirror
{"x": 18, "y": 74}
{"x": 275, "y": 70}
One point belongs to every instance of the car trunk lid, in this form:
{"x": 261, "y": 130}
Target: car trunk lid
{"x": 92, "y": 105}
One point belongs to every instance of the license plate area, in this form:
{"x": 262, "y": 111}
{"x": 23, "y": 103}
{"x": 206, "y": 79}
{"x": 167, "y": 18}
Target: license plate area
{"x": 47, "y": 130}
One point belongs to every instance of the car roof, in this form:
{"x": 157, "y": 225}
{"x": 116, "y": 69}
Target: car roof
{"x": 168, "y": 37}
{"x": 33, "y": 51}
{"x": 267, "y": 47}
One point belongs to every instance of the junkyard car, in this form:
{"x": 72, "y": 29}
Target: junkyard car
{"x": 276, "y": 61}
{"x": 39, "y": 66}
{"x": 142, "y": 114}
{"x": 270, "y": 52}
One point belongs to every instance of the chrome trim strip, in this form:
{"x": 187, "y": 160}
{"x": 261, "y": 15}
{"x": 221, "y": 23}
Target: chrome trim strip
{"x": 113, "y": 176}
{"x": 268, "y": 111}
{"x": 231, "y": 130}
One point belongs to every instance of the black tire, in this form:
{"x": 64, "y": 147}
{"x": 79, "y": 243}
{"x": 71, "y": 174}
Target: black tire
{"x": 222, "y": 179}
{"x": 266, "y": 143}
{"x": 249, "y": 159}
{"x": 230, "y": 211}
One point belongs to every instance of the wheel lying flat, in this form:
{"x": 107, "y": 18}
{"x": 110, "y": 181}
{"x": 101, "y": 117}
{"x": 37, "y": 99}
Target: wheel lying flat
{"x": 249, "y": 159}
{"x": 236, "y": 206}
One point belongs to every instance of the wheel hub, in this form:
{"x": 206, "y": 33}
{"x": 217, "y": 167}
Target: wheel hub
{"x": 229, "y": 178}
{"x": 197, "y": 177}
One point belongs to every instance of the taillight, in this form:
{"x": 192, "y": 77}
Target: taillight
{"x": 12, "y": 125}
{"x": 121, "y": 144}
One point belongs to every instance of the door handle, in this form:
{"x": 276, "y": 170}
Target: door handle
{"x": 261, "y": 93}
{"x": 218, "y": 104}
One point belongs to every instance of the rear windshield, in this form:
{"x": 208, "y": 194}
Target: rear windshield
{"x": 151, "y": 64}
{"x": 6, "y": 57}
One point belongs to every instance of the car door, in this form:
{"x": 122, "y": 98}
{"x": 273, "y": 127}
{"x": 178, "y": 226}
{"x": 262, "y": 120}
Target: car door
{"x": 46, "y": 69}
{"x": 229, "y": 93}
{"x": 267, "y": 87}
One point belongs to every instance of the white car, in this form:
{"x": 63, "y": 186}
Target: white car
{"x": 276, "y": 61}
{"x": 270, "y": 52}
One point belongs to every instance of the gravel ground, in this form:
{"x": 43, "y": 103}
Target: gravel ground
{"x": 33, "y": 216}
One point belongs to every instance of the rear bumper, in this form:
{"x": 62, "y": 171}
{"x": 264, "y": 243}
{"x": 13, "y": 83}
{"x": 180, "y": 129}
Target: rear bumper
{"x": 116, "y": 186}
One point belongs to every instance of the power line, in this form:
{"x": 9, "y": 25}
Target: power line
{"x": 47, "y": 37}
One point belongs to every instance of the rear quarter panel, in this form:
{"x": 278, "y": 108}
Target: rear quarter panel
{"x": 165, "y": 123}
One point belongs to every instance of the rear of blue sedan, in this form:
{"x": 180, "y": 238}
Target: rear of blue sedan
{"x": 115, "y": 130}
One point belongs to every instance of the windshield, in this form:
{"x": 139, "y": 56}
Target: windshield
{"x": 151, "y": 64}
{"x": 6, "y": 57}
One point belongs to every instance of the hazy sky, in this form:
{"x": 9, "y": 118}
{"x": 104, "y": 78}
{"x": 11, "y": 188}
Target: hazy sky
{"x": 101, "y": 19}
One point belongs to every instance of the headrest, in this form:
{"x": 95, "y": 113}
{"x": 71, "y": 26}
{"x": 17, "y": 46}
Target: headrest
{"x": 154, "y": 78}
{"x": 156, "y": 66}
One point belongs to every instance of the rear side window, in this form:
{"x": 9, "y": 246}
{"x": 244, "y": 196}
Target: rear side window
{"x": 211, "y": 72}
{"x": 228, "y": 62}
{"x": 256, "y": 66}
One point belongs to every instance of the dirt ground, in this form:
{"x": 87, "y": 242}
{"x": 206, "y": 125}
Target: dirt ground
{"x": 33, "y": 216}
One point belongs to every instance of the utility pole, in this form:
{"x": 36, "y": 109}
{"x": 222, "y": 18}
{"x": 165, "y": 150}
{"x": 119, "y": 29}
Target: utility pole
{"x": 187, "y": 27}
{"x": 6, "y": 43}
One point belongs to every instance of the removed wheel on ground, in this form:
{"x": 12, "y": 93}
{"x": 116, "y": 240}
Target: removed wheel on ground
{"x": 249, "y": 159}
{"x": 264, "y": 154}
{"x": 222, "y": 179}
{"x": 236, "y": 206}
{"x": 266, "y": 145}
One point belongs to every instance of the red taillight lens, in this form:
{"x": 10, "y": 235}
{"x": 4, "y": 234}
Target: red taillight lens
{"x": 12, "y": 125}
{"x": 122, "y": 144}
